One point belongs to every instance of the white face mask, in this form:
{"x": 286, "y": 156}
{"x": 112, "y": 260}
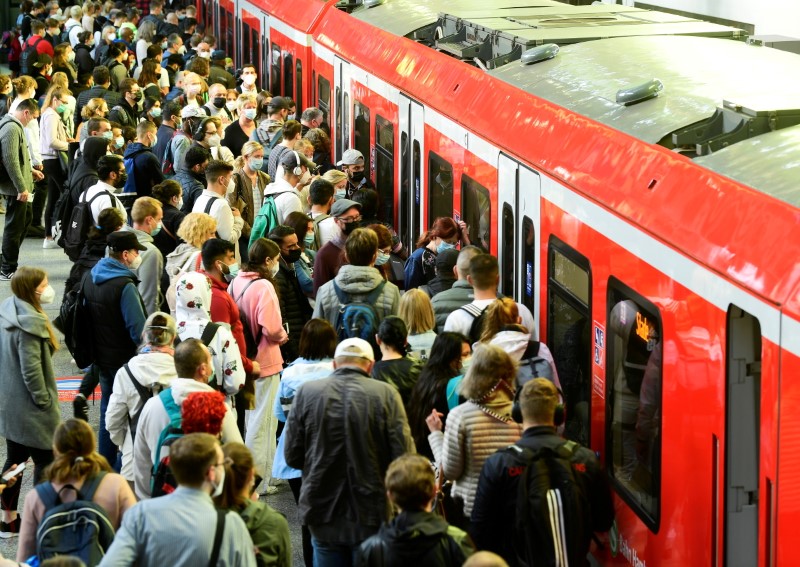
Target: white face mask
{"x": 48, "y": 295}
{"x": 182, "y": 50}
{"x": 305, "y": 179}
{"x": 231, "y": 105}
{"x": 180, "y": 203}
{"x": 249, "y": 80}
{"x": 219, "y": 485}
{"x": 71, "y": 56}
{"x": 111, "y": 36}
{"x": 214, "y": 140}
{"x": 136, "y": 263}
{"x": 231, "y": 186}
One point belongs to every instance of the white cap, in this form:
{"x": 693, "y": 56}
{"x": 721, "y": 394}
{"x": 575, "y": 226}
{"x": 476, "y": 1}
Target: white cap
{"x": 351, "y": 157}
{"x": 355, "y": 347}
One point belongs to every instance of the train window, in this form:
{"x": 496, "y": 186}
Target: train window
{"x": 324, "y": 96}
{"x": 298, "y": 77}
{"x": 275, "y": 71}
{"x": 288, "y": 79}
{"x": 361, "y": 134}
{"x": 568, "y": 328}
{"x": 507, "y": 269}
{"x": 633, "y": 399}
{"x": 405, "y": 191}
{"x": 338, "y": 130}
{"x": 476, "y": 211}
{"x": 528, "y": 258}
{"x": 346, "y": 123}
{"x": 440, "y": 188}
{"x": 246, "y": 40}
{"x": 416, "y": 157}
{"x": 254, "y": 41}
{"x": 384, "y": 167}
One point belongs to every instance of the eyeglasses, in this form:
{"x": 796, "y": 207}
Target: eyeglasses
{"x": 348, "y": 220}
{"x": 225, "y": 461}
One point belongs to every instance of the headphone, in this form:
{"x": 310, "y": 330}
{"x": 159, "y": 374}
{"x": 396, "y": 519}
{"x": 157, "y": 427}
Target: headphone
{"x": 200, "y": 131}
{"x": 298, "y": 171}
{"x": 559, "y": 416}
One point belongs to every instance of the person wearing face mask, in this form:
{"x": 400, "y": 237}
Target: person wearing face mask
{"x": 170, "y": 195}
{"x": 53, "y": 144}
{"x": 215, "y": 107}
{"x": 352, "y": 163}
{"x": 347, "y": 216}
{"x": 208, "y": 136}
{"x": 144, "y": 168}
{"x": 117, "y": 313}
{"x": 254, "y": 292}
{"x": 146, "y": 215}
{"x": 29, "y": 410}
{"x": 116, "y": 61}
{"x": 126, "y": 112}
{"x": 187, "y": 515}
{"x": 111, "y": 178}
{"x": 286, "y": 190}
{"x": 249, "y": 77}
{"x": 170, "y": 122}
{"x": 320, "y": 200}
{"x": 290, "y": 138}
{"x": 445, "y": 234}
{"x": 64, "y": 62}
{"x": 212, "y": 201}
{"x": 248, "y": 195}
{"x": 83, "y": 53}
{"x": 238, "y": 133}
{"x": 304, "y": 229}
{"x": 42, "y": 71}
{"x": 217, "y": 72}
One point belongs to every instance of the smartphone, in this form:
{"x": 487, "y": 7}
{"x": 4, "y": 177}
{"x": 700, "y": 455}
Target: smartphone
{"x": 286, "y": 328}
{"x": 14, "y": 472}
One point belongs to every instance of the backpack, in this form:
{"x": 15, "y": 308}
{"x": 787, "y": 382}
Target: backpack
{"x": 478, "y": 315}
{"x": 74, "y": 321}
{"x": 74, "y": 236}
{"x": 358, "y": 318}
{"x": 317, "y": 234}
{"x": 173, "y": 275}
{"x": 163, "y": 481}
{"x": 80, "y": 528}
{"x": 64, "y": 37}
{"x": 126, "y": 120}
{"x": 553, "y": 514}
{"x": 270, "y": 143}
{"x": 530, "y": 366}
{"x": 251, "y": 342}
{"x": 144, "y": 394}
{"x": 168, "y": 159}
{"x": 209, "y": 332}
{"x": 29, "y": 55}
{"x": 267, "y": 218}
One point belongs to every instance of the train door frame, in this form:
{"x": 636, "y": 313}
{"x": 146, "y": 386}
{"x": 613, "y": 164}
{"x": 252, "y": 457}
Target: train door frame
{"x": 266, "y": 51}
{"x": 344, "y": 105}
{"x": 412, "y": 141}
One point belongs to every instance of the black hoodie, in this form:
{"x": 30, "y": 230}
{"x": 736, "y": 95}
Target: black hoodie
{"x": 83, "y": 172}
{"x": 421, "y": 539}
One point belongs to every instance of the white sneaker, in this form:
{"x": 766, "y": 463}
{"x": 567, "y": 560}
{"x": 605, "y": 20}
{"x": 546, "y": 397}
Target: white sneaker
{"x": 49, "y": 244}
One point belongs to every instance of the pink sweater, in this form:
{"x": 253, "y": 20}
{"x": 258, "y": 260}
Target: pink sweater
{"x": 263, "y": 310}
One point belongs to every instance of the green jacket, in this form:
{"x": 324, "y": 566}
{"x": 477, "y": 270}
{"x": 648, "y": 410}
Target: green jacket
{"x": 270, "y": 532}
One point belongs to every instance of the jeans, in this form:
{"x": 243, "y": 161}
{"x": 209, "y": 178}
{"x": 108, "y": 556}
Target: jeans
{"x": 104, "y": 445}
{"x": 55, "y": 182}
{"x": 18, "y": 218}
{"x": 19, "y": 454}
{"x": 333, "y": 554}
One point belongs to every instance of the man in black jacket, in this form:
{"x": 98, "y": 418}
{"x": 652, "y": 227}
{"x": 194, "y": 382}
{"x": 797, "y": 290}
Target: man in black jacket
{"x": 102, "y": 81}
{"x": 495, "y": 511}
{"x": 144, "y": 168}
{"x": 192, "y": 176}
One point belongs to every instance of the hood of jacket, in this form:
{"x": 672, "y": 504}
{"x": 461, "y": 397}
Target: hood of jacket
{"x": 513, "y": 342}
{"x": 192, "y": 304}
{"x": 19, "y": 314}
{"x": 270, "y": 126}
{"x": 135, "y": 149}
{"x": 414, "y": 533}
{"x": 180, "y": 256}
{"x": 94, "y": 148}
{"x": 280, "y": 185}
{"x": 108, "y": 269}
{"x": 358, "y": 279}
{"x": 152, "y": 368}
{"x": 182, "y": 387}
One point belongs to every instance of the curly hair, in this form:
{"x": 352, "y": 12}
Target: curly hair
{"x": 203, "y": 412}
{"x": 195, "y": 228}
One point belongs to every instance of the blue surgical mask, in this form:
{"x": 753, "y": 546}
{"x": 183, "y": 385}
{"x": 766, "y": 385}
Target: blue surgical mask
{"x": 309, "y": 239}
{"x": 256, "y": 163}
{"x": 155, "y": 112}
{"x": 444, "y": 246}
{"x": 383, "y": 257}
{"x": 233, "y": 271}
{"x": 340, "y": 194}
{"x": 250, "y": 113}
{"x": 119, "y": 142}
{"x": 156, "y": 230}
{"x": 108, "y": 135}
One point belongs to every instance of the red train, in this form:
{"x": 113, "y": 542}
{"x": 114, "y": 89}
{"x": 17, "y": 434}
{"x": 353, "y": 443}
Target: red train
{"x": 652, "y": 226}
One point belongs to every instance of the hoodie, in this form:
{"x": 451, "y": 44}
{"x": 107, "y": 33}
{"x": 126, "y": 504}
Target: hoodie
{"x": 515, "y": 343}
{"x": 155, "y": 371}
{"x": 149, "y": 272}
{"x": 85, "y": 173}
{"x": 130, "y": 305}
{"x": 153, "y": 419}
{"x": 144, "y": 170}
{"x": 193, "y": 313}
{"x": 29, "y": 410}
{"x": 357, "y": 282}
{"x": 415, "y": 538}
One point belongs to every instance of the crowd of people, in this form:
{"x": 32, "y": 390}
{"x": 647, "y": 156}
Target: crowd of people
{"x": 234, "y": 356}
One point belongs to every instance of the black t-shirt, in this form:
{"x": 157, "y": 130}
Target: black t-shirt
{"x": 235, "y": 138}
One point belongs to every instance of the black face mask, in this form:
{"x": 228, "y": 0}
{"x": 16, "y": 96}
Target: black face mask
{"x": 121, "y": 180}
{"x": 138, "y": 96}
{"x": 219, "y": 101}
{"x": 349, "y": 227}
{"x": 293, "y": 255}
{"x": 356, "y": 176}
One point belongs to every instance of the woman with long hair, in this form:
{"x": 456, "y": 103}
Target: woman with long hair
{"x": 268, "y": 528}
{"x": 417, "y": 311}
{"x": 444, "y": 234}
{"x": 447, "y": 356}
{"x": 64, "y": 61}
{"x": 151, "y": 110}
{"x": 322, "y": 149}
{"x": 478, "y": 427}
{"x": 255, "y": 292}
{"x": 53, "y": 144}
{"x": 61, "y": 81}
{"x": 318, "y": 342}
{"x": 29, "y": 411}
{"x": 248, "y": 195}
{"x": 395, "y": 366}
{"x": 77, "y": 467}
{"x": 148, "y": 79}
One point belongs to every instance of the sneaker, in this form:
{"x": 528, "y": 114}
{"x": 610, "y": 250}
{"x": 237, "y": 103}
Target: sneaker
{"x": 11, "y": 529}
{"x": 49, "y": 244}
{"x": 80, "y": 408}
{"x": 270, "y": 490}
{"x": 6, "y": 276}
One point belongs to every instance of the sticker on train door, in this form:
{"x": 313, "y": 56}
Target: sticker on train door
{"x": 599, "y": 360}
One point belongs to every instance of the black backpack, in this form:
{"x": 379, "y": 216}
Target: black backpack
{"x": 75, "y": 233}
{"x": 553, "y": 514}
{"x": 29, "y": 55}
{"x": 64, "y": 37}
{"x": 75, "y": 322}
{"x": 80, "y": 528}
{"x": 478, "y": 315}
{"x": 251, "y": 342}
{"x": 358, "y": 318}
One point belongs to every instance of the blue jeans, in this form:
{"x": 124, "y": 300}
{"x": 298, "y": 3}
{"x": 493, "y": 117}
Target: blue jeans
{"x": 104, "y": 445}
{"x": 333, "y": 554}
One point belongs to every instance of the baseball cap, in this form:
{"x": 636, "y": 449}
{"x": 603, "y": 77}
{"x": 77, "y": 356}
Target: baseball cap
{"x": 341, "y": 206}
{"x": 217, "y": 55}
{"x": 355, "y": 347}
{"x": 192, "y": 111}
{"x": 289, "y": 160}
{"x": 43, "y": 60}
{"x": 278, "y": 103}
{"x": 351, "y": 157}
{"x": 124, "y": 240}
{"x": 445, "y": 261}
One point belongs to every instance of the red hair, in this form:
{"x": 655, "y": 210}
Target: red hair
{"x": 443, "y": 227}
{"x": 203, "y": 412}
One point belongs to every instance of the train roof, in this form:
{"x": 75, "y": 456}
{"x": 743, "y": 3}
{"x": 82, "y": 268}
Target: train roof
{"x": 699, "y": 76}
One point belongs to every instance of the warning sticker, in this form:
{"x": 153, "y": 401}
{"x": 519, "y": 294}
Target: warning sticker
{"x": 599, "y": 360}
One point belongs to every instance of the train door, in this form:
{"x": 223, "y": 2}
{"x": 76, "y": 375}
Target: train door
{"x": 518, "y": 221}
{"x": 341, "y": 77}
{"x": 263, "y": 73}
{"x": 412, "y": 127}
{"x": 743, "y": 427}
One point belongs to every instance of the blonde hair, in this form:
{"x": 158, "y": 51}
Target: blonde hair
{"x": 53, "y": 92}
{"x": 144, "y": 207}
{"x": 334, "y": 176}
{"x": 501, "y": 312}
{"x": 23, "y": 84}
{"x": 61, "y": 81}
{"x": 490, "y": 364}
{"x": 417, "y": 311}
{"x": 195, "y": 227}
{"x": 302, "y": 145}
{"x": 245, "y": 98}
{"x": 92, "y": 107}
{"x": 248, "y": 149}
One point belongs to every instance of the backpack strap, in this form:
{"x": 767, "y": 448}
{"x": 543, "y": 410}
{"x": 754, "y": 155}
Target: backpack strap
{"x": 375, "y": 294}
{"x": 209, "y": 205}
{"x": 531, "y": 350}
{"x": 141, "y": 390}
{"x": 208, "y": 333}
{"x": 48, "y": 495}
{"x": 276, "y": 137}
{"x": 90, "y": 486}
{"x": 175, "y": 422}
{"x": 247, "y": 285}
{"x": 473, "y": 310}
{"x": 218, "y": 538}
{"x": 340, "y": 295}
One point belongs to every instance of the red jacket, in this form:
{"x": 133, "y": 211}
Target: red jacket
{"x": 224, "y": 310}
{"x": 42, "y": 46}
